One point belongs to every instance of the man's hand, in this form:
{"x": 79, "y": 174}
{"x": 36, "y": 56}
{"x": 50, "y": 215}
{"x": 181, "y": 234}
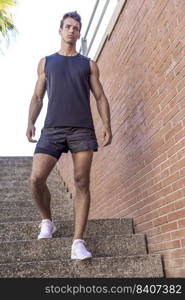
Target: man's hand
{"x": 107, "y": 137}
{"x": 31, "y": 133}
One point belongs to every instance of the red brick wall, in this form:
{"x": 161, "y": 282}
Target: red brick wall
{"x": 142, "y": 173}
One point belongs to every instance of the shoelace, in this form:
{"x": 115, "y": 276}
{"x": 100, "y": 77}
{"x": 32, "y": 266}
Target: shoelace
{"x": 80, "y": 246}
{"x": 47, "y": 226}
{"x": 80, "y": 241}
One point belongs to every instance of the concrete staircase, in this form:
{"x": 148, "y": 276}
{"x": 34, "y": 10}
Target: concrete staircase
{"x": 117, "y": 251}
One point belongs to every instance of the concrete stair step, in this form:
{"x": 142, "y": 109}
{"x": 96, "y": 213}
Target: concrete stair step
{"x": 138, "y": 266}
{"x": 15, "y": 159}
{"x": 20, "y": 172}
{"x": 25, "y": 186}
{"x": 24, "y": 178}
{"x": 98, "y": 227}
{"x": 59, "y": 248}
{"x": 24, "y": 199}
{"x": 5, "y": 162}
{"x": 18, "y": 189}
{"x": 16, "y": 170}
{"x": 15, "y": 174}
{"x": 16, "y": 204}
{"x": 11, "y": 203}
{"x": 62, "y": 214}
{"x": 17, "y": 194}
{"x": 66, "y": 216}
{"x": 24, "y": 173}
{"x": 15, "y": 166}
{"x": 19, "y": 181}
{"x": 28, "y": 207}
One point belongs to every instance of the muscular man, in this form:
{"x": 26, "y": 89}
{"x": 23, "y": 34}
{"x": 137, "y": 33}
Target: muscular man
{"x": 68, "y": 78}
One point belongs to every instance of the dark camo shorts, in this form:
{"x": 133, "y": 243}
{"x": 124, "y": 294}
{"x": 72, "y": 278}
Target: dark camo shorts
{"x": 55, "y": 141}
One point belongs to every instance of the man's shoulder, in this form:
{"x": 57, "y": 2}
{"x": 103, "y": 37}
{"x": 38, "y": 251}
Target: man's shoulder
{"x": 51, "y": 55}
{"x": 44, "y": 60}
{"x": 84, "y": 57}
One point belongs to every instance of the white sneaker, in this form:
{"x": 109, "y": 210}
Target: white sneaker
{"x": 79, "y": 251}
{"x": 47, "y": 229}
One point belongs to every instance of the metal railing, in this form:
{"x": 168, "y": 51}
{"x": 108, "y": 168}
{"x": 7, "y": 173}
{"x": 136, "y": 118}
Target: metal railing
{"x": 85, "y": 47}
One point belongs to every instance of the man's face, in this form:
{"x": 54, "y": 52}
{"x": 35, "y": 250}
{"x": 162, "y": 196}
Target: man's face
{"x": 70, "y": 32}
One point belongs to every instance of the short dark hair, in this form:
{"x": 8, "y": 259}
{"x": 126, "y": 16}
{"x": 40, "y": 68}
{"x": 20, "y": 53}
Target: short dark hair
{"x": 72, "y": 14}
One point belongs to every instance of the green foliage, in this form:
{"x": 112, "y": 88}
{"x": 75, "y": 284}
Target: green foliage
{"x": 6, "y": 20}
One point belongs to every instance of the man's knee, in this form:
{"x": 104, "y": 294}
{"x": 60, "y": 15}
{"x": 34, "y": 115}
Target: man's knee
{"x": 81, "y": 182}
{"x": 36, "y": 179}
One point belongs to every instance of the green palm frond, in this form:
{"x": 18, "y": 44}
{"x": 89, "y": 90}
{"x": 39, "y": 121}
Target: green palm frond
{"x": 5, "y": 3}
{"x": 6, "y": 20}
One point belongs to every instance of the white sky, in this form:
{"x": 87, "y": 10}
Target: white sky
{"x": 37, "y": 22}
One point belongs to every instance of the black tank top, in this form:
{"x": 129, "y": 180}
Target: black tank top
{"x": 68, "y": 89}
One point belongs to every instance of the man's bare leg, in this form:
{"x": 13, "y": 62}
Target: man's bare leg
{"x": 82, "y": 165}
{"x": 42, "y": 166}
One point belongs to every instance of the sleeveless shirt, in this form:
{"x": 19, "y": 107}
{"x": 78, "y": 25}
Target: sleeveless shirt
{"x": 68, "y": 90}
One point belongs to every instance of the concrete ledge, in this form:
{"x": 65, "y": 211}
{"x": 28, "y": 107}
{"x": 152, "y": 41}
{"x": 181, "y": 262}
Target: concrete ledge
{"x": 16, "y": 231}
{"x": 140, "y": 266}
{"x": 60, "y": 248}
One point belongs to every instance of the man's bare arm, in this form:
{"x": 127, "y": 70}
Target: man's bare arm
{"x": 37, "y": 100}
{"x": 101, "y": 102}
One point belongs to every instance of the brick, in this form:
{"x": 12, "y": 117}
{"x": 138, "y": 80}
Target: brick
{"x": 168, "y": 227}
{"x": 172, "y": 263}
{"x": 181, "y": 223}
{"x": 163, "y": 246}
{"x": 174, "y": 253}
{"x": 182, "y": 234}
{"x": 171, "y": 133}
{"x": 173, "y": 196}
{"x": 181, "y": 84}
{"x": 169, "y": 144}
{"x": 170, "y": 113}
{"x": 159, "y": 238}
{"x": 159, "y": 221}
{"x": 175, "y": 272}
{"x": 180, "y": 135}
{"x": 143, "y": 226}
{"x": 152, "y": 231}
{"x": 179, "y": 204}
{"x": 166, "y": 209}
{"x": 178, "y": 234}
{"x": 176, "y": 215}
{"x": 176, "y": 147}
{"x": 182, "y": 172}
{"x": 171, "y": 179}
{"x": 178, "y": 184}
{"x": 180, "y": 164}
{"x": 168, "y": 98}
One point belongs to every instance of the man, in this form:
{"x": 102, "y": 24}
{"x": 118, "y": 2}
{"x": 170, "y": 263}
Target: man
{"x": 68, "y": 78}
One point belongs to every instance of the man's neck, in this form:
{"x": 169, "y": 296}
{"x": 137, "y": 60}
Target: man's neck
{"x": 67, "y": 51}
